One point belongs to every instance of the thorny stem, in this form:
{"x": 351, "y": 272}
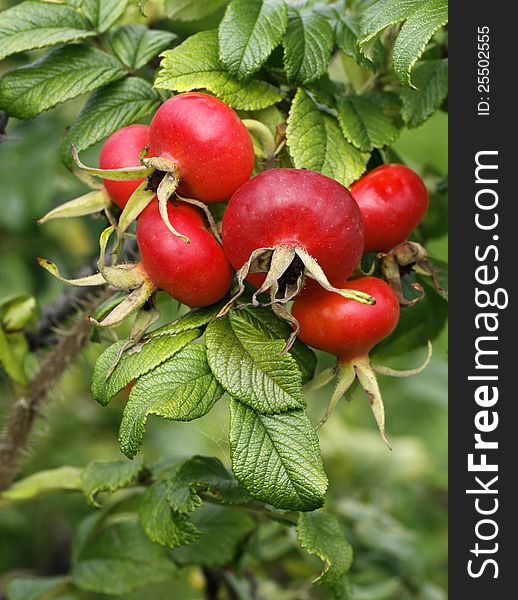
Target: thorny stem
{"x": 15, "y": 438}
{"x": 65, "y": 348}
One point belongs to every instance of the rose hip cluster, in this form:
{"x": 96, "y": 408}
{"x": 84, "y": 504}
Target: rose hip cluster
{"x": 294, "y": 235}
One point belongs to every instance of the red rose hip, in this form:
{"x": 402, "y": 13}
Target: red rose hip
{"x": 393, "y": 200}
{"x": 292, "y": 224}
{"x": 207, "y": 142}
{"x": 196, "y": 274}
{"x": 122, "y": 149}
{"x": 350, "y": 330}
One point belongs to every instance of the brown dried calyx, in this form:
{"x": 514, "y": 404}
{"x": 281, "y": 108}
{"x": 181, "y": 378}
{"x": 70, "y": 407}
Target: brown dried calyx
{"x": 401, "y": 260}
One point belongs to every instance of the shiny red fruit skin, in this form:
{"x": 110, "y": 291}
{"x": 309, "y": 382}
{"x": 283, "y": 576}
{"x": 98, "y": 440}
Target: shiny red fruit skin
{"x": 122, "y": 149}
{"x": 207, "y": 141}
{"x": 345, "y": 327}
{"x": 393, "y": 200}
{"x": 295, "y": 207}
{"x": 196, "y": 274}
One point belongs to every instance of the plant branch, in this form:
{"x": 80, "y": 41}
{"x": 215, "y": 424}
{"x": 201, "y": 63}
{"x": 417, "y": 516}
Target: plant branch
{"x": 24, "y": 410}
{"x": 66, "y": 346}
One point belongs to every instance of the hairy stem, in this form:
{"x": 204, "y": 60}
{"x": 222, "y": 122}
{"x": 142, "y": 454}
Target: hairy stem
{"x": 25, "y": 409}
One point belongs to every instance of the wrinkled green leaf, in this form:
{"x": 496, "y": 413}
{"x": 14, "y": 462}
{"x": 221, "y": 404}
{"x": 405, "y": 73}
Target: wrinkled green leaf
{"x": 34, "y": 588}
{"x": 222, "y": 531}
{"x": 431, "y": 81}
{"x": 160, "y": 523}
{"x": 62, "y": 75}
{"x": 190, "y": 10}
{"x": 203, "y": 474}
{"x": 277, "y": 329}
{"x": 316, "y": 142}
{"x": 135, "y": 45}
{"x": 195, "y": 65}
{"x": 42, "y": 483}
{"x": 320, "y": 533}
{"x": 103, "y": 14}
{"x": 347, "y": 32}
{"x": 114, "y": 106}
{"x": 31, "y": 25}
{"x": 108, "y": 476}
{"x": 422, "y": 18}
{"x": 194, "y": 319}
{"x": 134, "y": 362}
{"x": 245, "y": 358}
{"x": 307, "y": 45}
{"x": 364, "y": 125}
{"x": 249, "y": 32}
{"x": 180, "y": 389}
{"x": 119, "y": 560}
{"x": 277, "y": 457}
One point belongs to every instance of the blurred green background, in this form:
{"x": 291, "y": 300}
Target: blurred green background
{"x": 393, "y": 504}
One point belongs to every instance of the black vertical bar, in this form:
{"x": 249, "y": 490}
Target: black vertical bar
{"x": 483, "y": 120}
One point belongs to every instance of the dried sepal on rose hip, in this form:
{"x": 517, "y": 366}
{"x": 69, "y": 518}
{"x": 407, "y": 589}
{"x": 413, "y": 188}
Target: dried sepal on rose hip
{"x": 288, "y": 230}
{"x": 350, "y": 330}
{"x": 393, "y": 200}
{"x": 121, "y": 150}
{"x": 196, "y": 274}
{"x": 198, "y": 149}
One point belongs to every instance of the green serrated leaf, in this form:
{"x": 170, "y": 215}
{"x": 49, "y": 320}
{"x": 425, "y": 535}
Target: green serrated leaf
{"x": 431, "y": 80}
{"x": 108, "y": 476}
{"x": 249, "y": 32}
{"x": 195, "y": 65}
{"x": 134, "y": 362}
{"x": 382, "y": 14}
{"x": 422, "y": 18}
{"x": 320, "y": 533}
{"x": 415, "y": 35}
{"x": 180, "y": 389}
{"x": 135, "y": 45}
{"x": 116, "y": 105}
{"x": 34, "y": 588}
{"x": 364, "y": 125}
{"x": 160, "y": 523}
{"x": 245, "y": 358}
{"x": 41, "y": 483}
{"x": 277, "y": 329}
{"x": 316, "y": 142}
{"x": 347, "y": 32}
{"x": 307, "y": 45}
{"x": 31, "y": 25}
{"x": 191, "y": 10}
{"x": 277, "y": 457}
{"x": 204, "y": 474}
{"x": 62, "y": 75}
{"x": 194, "y": 319}
{"x": 222, "y": 531}
{"x": 120, "y": 560}
{"x": 103, "y": 14}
